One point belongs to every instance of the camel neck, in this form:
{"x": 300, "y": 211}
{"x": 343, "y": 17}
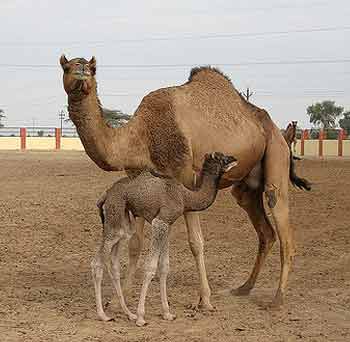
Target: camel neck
{"x": 112, "y": 149}
{"x": 203, "y": 197}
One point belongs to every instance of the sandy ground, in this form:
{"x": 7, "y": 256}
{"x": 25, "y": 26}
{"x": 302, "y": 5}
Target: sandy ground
{"x": 50, "y": 227}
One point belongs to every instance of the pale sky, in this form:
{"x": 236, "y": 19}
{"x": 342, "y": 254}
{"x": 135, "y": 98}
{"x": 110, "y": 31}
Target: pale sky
{"x": 274, "y": 47}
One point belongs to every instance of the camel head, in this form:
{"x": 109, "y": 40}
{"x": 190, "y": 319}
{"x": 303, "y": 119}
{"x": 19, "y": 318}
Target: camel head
{"x": 217, "y": 163}
{"x": 78, "y": 75}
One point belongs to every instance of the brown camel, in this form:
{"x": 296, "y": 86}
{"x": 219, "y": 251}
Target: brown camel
{"x": 290, "y": 134}
{"x": 160, "y": 201}
{"x": 171, "y": 131}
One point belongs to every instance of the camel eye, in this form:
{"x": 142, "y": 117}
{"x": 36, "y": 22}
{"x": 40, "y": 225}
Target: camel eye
{"x": 77, "y": 64}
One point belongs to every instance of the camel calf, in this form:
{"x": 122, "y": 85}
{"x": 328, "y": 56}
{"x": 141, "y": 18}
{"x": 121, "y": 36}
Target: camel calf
{"x": 160, "y": 201}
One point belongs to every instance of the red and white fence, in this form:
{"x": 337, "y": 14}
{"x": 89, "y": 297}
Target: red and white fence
{"x": 48, "y": 138}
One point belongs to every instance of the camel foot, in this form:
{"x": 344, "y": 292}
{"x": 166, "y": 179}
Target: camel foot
{"x": 277, "y": 302}
{"x": 103, "y": 317}
{"x": 169, "y": 317}
{"x": 132, "y": 317}
{"x": 140, "y": 322}
{"x": 241, "y": 291}
{"x": 206, "y": 307}
{"x": 201, "y": 306}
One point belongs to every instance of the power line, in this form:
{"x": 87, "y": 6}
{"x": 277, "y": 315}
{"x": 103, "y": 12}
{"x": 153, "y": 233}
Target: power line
{"x": 172, "y": 66}
{"x": 315, "y": 92}
{"x": 230, "y": 35}
{"x": 186, "y": 37}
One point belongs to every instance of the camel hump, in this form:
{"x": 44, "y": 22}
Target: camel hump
{"x": 202, "y": 73}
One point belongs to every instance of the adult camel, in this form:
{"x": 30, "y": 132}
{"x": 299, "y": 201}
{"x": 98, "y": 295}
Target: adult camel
{"x": 171, "y": 131}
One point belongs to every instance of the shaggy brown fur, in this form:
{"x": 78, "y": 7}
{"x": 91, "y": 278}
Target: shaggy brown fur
{"x": 169, "y": 151}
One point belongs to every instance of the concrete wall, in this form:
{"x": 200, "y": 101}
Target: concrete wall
{"x": 41, "y": 143}
{"x": 10, "y": 143}
{"x": 73, "y": 144}
{"x": 346, "y": 148}
{"x": 311, "y": 148}
{"x": 330, "y": 147}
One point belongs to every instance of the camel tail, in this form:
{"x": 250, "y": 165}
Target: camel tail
{"x": 301, "y": 183}
{"x": 100, "y": 204}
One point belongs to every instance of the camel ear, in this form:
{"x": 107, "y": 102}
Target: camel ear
{"x": 63, "y": 61}
{"x": 92, "y": 64}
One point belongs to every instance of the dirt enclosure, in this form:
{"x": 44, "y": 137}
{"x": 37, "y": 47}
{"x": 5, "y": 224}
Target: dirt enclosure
{"x": 50, "y": 227}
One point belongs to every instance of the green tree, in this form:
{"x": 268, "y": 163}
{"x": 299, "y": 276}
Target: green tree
{"x": 2, "y": 115}
{"x": 345, "y": 122}
{"x": 115, "y": 117}
{"x": 324, "y": 114}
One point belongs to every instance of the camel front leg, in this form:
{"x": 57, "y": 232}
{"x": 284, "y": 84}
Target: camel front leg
{"x": 195, "y": 239}
{"x": 196, "y": 242}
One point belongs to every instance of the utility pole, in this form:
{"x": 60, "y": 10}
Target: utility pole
{"x": 61, "y": 115}
{"x": 247, "y": 94}
{"x": 33, "y": 126}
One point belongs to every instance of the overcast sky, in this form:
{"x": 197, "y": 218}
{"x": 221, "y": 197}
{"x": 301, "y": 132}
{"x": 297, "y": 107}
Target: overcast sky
{"x": 273, "y": 47}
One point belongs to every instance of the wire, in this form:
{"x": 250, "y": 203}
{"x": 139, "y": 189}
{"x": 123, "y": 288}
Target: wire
{"x": 172, "y": 66}
{"x": 186, "y": 37}
{"x": 230, "y": 35}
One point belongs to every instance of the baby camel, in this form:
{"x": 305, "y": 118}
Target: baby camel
{"x": 160, "y": 200}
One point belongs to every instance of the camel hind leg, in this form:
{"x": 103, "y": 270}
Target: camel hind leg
{"x": 276, "y": 172}
{"x": 135, "y": 247}
{"x": 252, "y": 202}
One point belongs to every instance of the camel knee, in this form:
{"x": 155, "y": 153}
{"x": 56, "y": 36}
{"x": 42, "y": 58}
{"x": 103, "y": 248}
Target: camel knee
{"x": 116, "y": 271}
{"x": 150, "y": 273}
{"x": 151, "y": 267}
{"x": 197, "y": 247}
{"x": 96, "y": 269}
{"x": 266, "y": 242}
{"x": 135, "y": 245}
{"x": 271, "y": 193}
{"x": 164, "y": 267}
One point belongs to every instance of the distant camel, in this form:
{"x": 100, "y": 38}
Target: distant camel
{"x": 171, "y": 131}
{"x": 290, "y": 135}
{"x": 160, "y": 201}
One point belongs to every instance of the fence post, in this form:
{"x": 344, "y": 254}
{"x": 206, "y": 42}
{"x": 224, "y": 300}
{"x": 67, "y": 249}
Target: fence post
{"x": 304, "y": 135}
{"x": 320, "y": 143}
{"x": 58, "y": 138}
{"x": 340, "y": 142}
{"x": 23, "y": 135}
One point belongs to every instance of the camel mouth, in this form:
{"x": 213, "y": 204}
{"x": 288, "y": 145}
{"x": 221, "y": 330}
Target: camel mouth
{"x": 230, "y": 166}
